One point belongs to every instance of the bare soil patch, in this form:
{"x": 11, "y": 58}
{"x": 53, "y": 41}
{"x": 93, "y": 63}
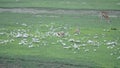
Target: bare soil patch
{"x": 112, "y": 13}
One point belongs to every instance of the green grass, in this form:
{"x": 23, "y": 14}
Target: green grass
{"x": 66, "y": 4}
{"x": 14, "y": 55}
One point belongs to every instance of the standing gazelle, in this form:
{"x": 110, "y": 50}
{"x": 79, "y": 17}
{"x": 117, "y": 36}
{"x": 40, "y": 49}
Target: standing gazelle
{"x": 77, "y": 31}
{"x": 104, "y": 15}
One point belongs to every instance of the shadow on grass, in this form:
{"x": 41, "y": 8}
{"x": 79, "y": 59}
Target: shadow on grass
{"x": 31, "y": 63}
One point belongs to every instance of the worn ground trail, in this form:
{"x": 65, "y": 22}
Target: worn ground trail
{"x": 112, "y": 13}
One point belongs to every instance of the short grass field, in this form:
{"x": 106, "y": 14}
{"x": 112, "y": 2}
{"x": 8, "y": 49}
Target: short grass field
{"x": 66, "y": 4}
{"x": 29, "y": 34}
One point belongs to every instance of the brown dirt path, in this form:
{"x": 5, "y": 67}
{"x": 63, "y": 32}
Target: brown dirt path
{"x": 112, "y": 13}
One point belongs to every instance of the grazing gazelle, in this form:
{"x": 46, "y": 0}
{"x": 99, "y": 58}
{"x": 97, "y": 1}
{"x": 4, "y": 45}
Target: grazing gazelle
{"x": 60, "y": 34}
{"x": 77, "y": 31}
{"x": 104, "y": 15}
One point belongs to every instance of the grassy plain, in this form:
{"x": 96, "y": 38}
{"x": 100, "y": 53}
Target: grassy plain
{"x": 66, "y": 4}
{"x": 49, "y": 52}
{"x": 28, "y": 37}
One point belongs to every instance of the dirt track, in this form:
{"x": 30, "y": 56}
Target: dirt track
{"x": 58, "y": 11}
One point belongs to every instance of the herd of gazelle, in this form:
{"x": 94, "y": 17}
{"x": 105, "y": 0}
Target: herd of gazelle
{"x": 104, "y": 16}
